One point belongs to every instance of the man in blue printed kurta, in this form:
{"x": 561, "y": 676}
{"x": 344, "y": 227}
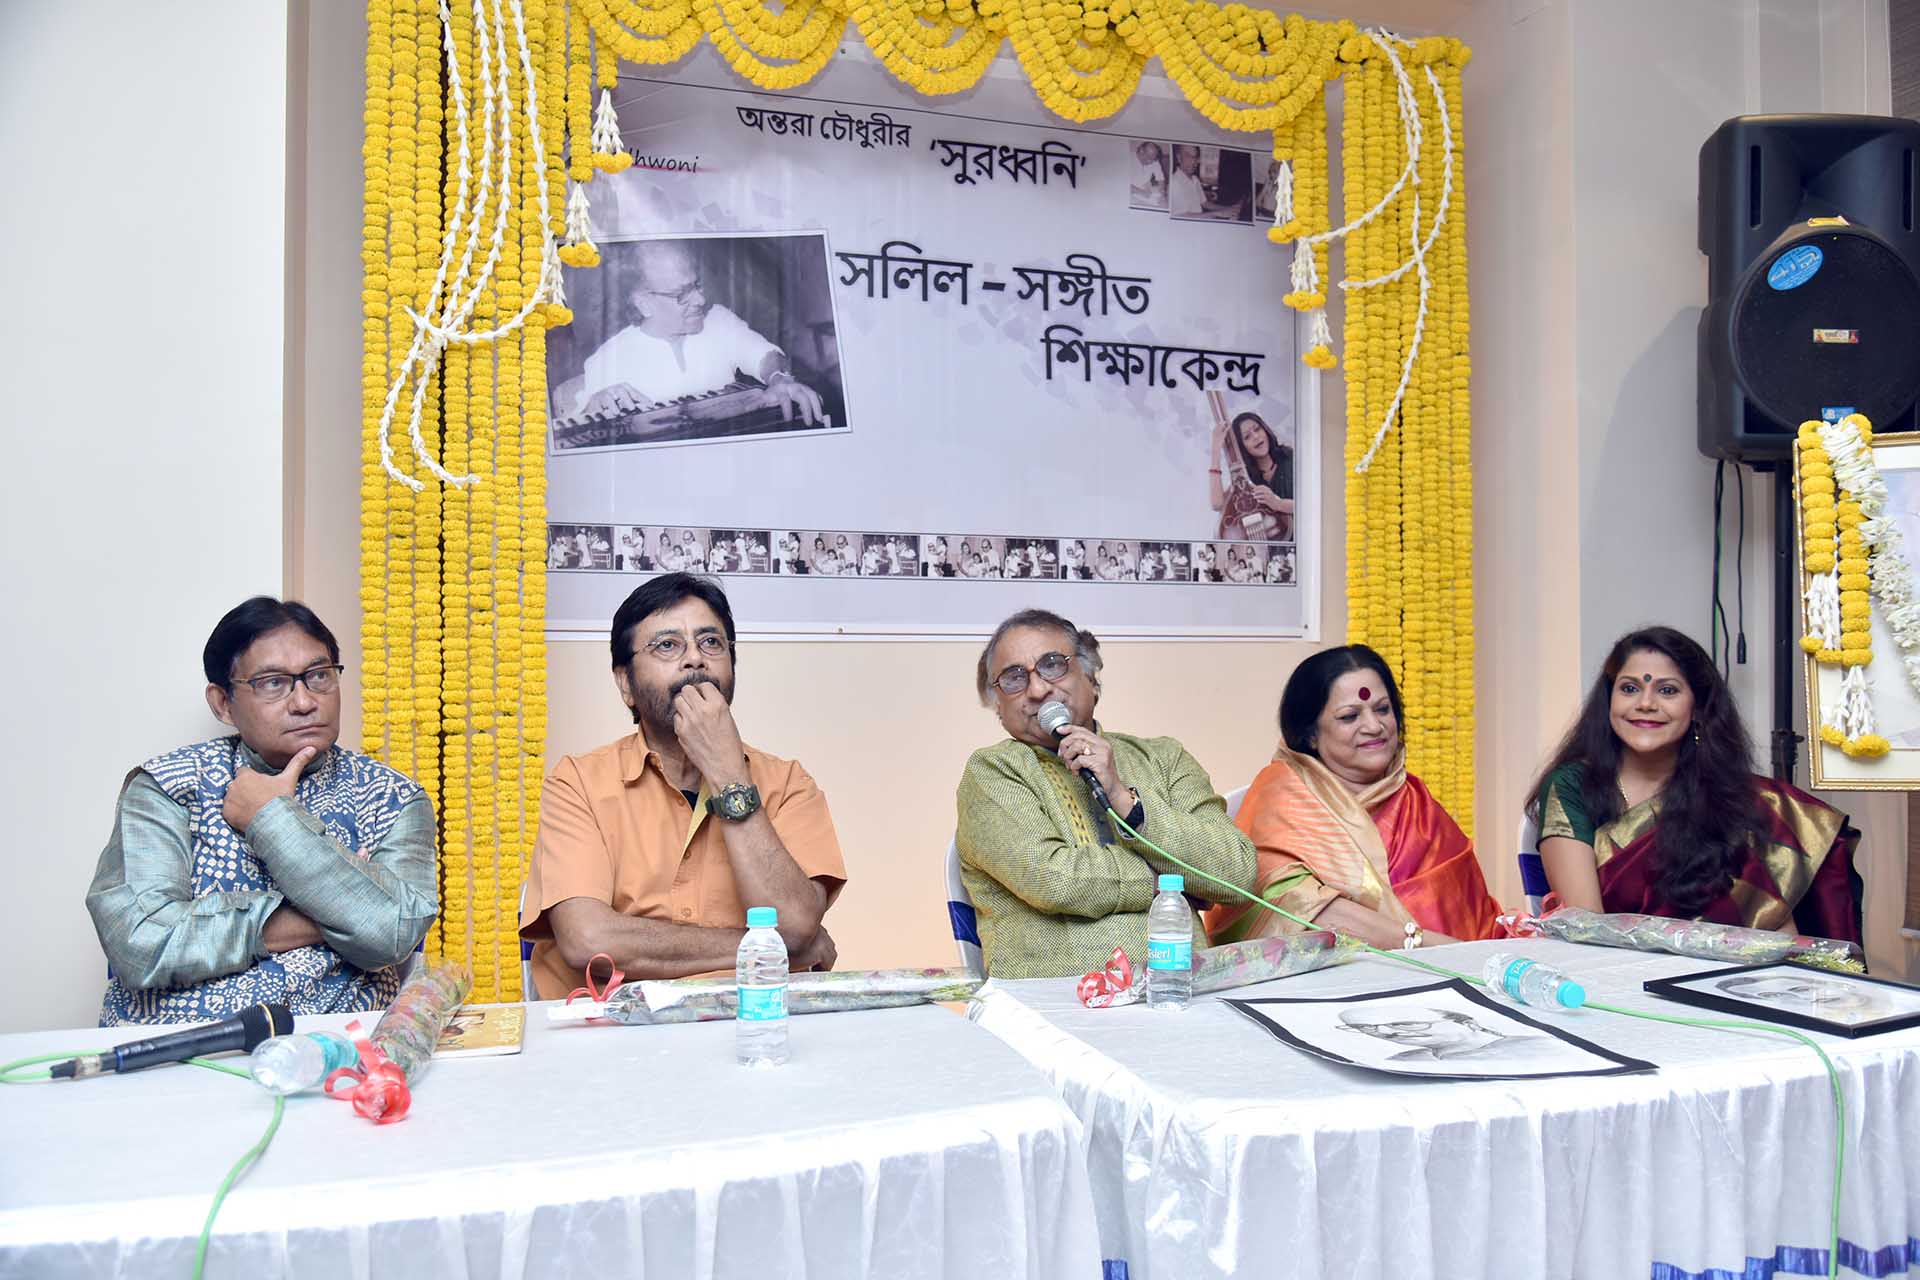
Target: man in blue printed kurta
{"x": 269, "y": 865}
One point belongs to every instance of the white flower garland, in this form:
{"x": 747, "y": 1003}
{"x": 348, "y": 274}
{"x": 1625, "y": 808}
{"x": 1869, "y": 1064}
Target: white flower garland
{"x": 606, "y": 127}
{"x": 433, "y": 332}
{"x": 1283, "y": 194}
{"x": 1890, "y": 576}
{"x": 1306, "y": 279}
{"x": 1823, "y": 609}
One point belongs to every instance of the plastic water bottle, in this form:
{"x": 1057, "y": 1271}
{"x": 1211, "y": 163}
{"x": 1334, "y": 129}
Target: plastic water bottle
{"x": 760, "y": 974}
{"x": 288, "y": 1064}
{"x": 1169, "y": 946}
{"x": 1529, "y": 982}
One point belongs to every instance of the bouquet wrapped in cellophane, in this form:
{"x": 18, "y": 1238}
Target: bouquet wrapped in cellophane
{"x": 1700, "y": 939}
{"x": 410, "y": 1028}
{"x": 1238, "y": 964}
{"x": 652, "y": 1003}
{"x": 393, "y": 1057}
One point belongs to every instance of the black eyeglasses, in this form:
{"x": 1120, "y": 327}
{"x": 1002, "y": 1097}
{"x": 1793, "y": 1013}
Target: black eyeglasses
{"x": 1014, "y": 679}
{"x": 277, "y": 685}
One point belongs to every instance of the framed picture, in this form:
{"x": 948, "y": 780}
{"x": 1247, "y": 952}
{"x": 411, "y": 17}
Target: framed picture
{"x": 1447, "y": 1031}
{"x": 1841, "y": 1004}
{"x": 694, "y": 339}
{"x": 1896, "y": 704}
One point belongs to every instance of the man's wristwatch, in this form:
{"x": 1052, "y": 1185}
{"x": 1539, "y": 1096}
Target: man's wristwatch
{"x": 735, "y": 802}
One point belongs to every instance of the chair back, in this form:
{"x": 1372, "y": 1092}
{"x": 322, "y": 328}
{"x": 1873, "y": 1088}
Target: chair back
{"x": 1533, "y": 874}
{"x": 966, "y": 930}
{"x": 1235, "y": 798}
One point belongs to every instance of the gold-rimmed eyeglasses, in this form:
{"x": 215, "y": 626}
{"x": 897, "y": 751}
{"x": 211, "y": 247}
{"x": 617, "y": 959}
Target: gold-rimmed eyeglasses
{"x": 1014, "y": 679}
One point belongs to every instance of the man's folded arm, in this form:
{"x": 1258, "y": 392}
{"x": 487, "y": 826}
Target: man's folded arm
{"x": 372, "y": 910}
{"x": 154, "y": 931}
{"x": 638, "y": 946}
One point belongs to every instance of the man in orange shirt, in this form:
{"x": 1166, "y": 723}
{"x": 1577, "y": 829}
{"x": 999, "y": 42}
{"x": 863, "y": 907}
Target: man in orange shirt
{"x": 652, "y": 848}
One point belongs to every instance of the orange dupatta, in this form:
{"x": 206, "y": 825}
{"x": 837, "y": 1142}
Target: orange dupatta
{"x": 1391, "y": 848}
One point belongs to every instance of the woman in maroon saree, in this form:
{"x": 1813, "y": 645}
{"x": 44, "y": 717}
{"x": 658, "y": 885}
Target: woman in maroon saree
{"x": 1650, "y": 806}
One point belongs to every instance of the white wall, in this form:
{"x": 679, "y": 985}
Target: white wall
{"x": 141, "y": 257}
{"x": 1520, "y": 232}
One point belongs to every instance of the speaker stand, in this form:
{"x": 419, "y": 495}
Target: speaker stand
{"x": 1786, "y": 645}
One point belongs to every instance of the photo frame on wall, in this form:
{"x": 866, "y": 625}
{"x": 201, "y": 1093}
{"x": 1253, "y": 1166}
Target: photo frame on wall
{"x": 1795, "y": 995}
{"x": 1443, "y": 1031}
{"x": 1896, "y": 702}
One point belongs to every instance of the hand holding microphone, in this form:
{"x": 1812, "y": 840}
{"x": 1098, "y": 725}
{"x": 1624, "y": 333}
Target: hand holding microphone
{"x": 1083, "y": 750}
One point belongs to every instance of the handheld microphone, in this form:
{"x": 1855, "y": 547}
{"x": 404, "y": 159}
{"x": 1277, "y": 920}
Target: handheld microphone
{"x": 243, "y": 1031}
{"x": 1056, "y": 720}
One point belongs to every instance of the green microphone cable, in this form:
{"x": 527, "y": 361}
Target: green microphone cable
{"x": 1716, "y": 1024}
{"x": 30, "y": 1070}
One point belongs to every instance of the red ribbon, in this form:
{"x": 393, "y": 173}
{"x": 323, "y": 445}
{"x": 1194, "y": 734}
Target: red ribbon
{"x": 599, "y": 994}
{"x": 1523, "y": 924}
{"x": 379, "y": 1091}
{"x": 1103, "y": 987}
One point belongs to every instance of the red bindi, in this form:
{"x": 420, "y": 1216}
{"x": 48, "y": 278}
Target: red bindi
{"x": 1365, "y": 693}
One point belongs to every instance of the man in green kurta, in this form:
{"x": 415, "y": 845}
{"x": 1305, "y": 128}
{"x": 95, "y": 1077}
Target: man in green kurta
{"x": 1055, "y": 886}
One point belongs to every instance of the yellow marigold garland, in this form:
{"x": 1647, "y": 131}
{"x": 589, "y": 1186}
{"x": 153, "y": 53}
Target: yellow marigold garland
{"x": 645, "y": 33}
{"x": 463, "y": 389}
{"x": 1835, "y": 555}
{"x": 1452, "y": 307}
{"x": 1409, "y": 515}
{"x": 936, "y": 56}
{"x": 374, "y": 370}
{"x": 579, "y": 96}
{"x": 404, "y": 254}
{"x": 454, "y": 676}
{"x": 801, "y": 38}
{"x": 1074, "y": 68}
{"x": 422, "y": 706}
{"x": 485, "y": 789}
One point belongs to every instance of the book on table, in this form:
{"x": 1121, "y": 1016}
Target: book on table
{"x": 478, "y": 1030}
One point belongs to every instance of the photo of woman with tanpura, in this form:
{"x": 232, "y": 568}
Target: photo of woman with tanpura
{"x": 1253, "y": 490}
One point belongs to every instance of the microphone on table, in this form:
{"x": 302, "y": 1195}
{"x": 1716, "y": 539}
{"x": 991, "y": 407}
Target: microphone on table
{"x": 244, "y": 1030}
{"x": 1056, "y": 720}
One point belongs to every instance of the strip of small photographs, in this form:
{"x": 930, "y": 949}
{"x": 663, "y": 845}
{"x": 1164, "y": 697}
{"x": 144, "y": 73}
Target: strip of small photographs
{"x": 845, "y": 553}
{"x": 1193, "y": 183}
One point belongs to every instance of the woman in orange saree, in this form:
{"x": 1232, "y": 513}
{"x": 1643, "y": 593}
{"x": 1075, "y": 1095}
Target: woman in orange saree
{"x": 1346, "y": 837}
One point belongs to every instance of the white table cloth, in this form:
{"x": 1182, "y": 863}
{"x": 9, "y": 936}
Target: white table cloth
{"x": 1216, "y": 1150}
{"x": 897, "y": 1143}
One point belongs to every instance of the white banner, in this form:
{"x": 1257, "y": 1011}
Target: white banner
{"x": 895, "y": 364}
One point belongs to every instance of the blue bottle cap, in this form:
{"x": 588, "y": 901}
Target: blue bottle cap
{"x": 762, "y": 917}
{"x": 1571, "y": 994}
{"x": 1173, "y": 884}
{"x": 338, "y": 1051}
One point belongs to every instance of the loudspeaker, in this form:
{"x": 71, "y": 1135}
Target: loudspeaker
{"x": 1813, "y": 279}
